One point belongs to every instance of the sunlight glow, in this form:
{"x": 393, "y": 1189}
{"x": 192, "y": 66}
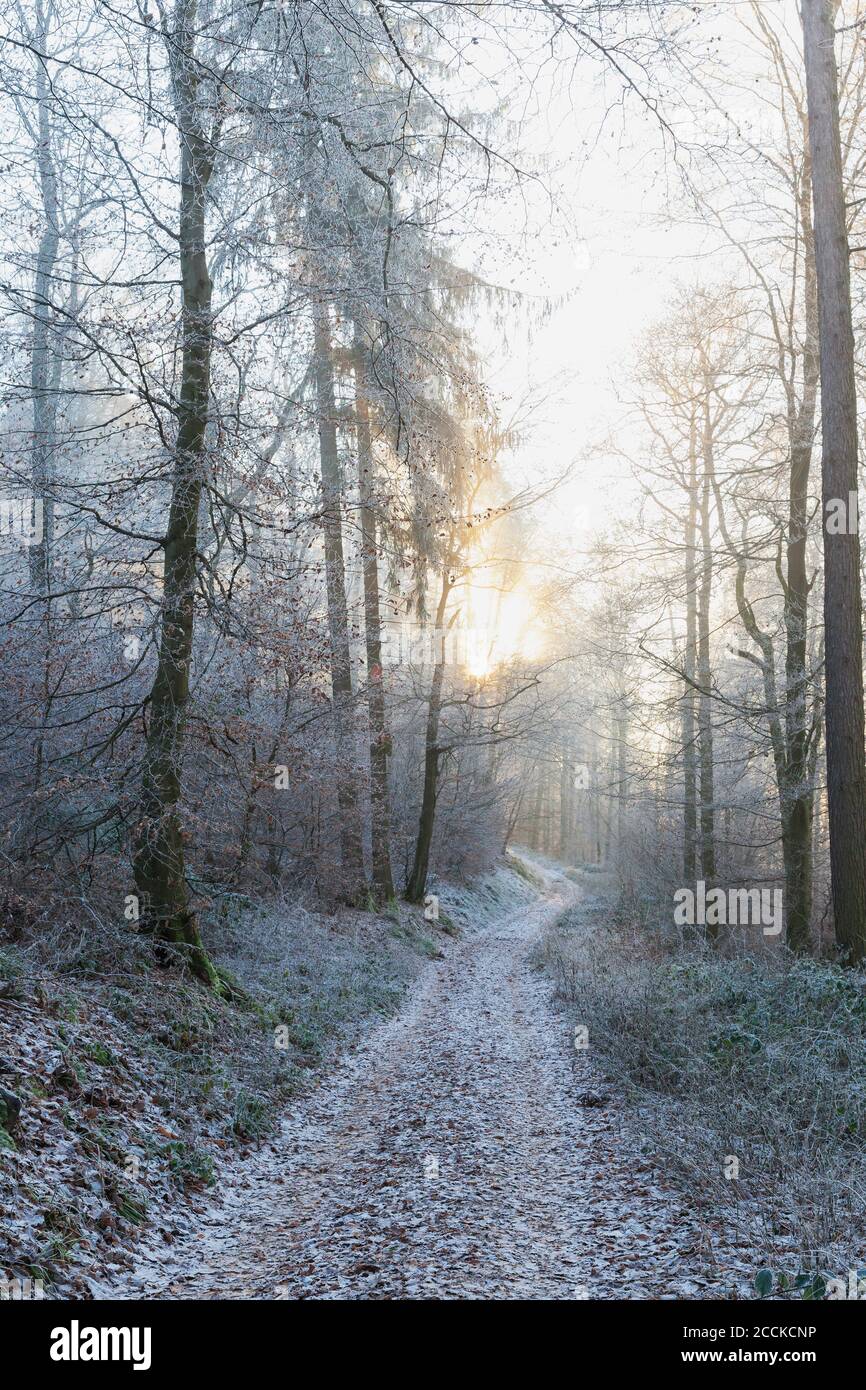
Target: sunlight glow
{"x": 501, "y": 627}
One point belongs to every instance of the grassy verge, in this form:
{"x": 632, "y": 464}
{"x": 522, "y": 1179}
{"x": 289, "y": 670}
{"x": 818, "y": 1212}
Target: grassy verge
{"x": 749, "y": 1076}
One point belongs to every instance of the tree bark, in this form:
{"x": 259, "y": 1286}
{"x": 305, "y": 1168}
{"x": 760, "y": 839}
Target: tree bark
{"x": 537, "y": 811}
{"x": 417, "y": 882}
{"x": 705, "y": 704}
{"x": 44, "y": 400}
{"x": 689, "y": 722}
{"x": 159, "y": 863}
{"x": 566, "y": 778}
{"x": 796, "y": 785}
{"x": 380, "y": 807}
{"x": 44, "y": 380}
{"x": 846, "y": 761}
{"x": 351, "y": 835}
{"x": 622, "y": 786}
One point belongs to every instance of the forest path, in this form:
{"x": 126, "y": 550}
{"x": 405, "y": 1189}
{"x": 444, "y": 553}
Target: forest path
{"x": 447, "y": 1157}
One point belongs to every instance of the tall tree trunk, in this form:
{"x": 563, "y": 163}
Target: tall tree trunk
{"x": 44, "y": 400}
{"x": 159, "y": 864}
{"x": 44, "y": 379}
{"x": 380, "y": 808}
{"x": 513, "y": 817}
{"x": 417, "y": 882}
{"x": 537, "y": 811}
{"x": 351, "y": 835}
{"x": 689, "y": 722}
{"x": 549, "y": 837}
{"x": 621, "y": 780}
{"x": 593, "y": 803}
{"x": 705, "y": 702}
{"x": 796, "y": 788}
{"x": 566, "y": 776}
{"x": 574, "y": 805}
{"x": 843, "y": 625}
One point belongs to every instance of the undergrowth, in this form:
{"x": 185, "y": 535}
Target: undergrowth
{"x": 749, "y": 1073}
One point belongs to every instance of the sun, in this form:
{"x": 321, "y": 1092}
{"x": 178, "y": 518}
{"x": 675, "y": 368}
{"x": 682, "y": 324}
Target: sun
{"x": 500, "y": 627}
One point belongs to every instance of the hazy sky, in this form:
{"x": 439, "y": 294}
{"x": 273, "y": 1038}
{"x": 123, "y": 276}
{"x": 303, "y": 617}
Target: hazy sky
{"x": 623, "y": 241}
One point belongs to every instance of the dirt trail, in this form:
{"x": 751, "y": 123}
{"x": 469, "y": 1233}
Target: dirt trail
{"x": 448, "y": 1157}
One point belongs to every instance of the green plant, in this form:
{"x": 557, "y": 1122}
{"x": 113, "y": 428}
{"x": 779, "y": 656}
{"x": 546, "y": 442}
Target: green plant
{"x": 10, "y": 966}
{"x": 523, "y": 871}
{"x": 252, "y": 1116}
{"x": 190, "y": 1166}
{"x": 808, "y": 1285}
{"x": 129, "y": 1207}
{"x": 447, "y": 924}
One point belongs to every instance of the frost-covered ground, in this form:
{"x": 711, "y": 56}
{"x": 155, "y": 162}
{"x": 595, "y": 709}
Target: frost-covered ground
{"x": 141, "y": 1094}
{"x": 452, "y": 1154}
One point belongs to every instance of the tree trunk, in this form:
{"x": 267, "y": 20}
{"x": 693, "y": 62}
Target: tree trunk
{"x": 705, "y": 703}
{"x": 566, "y": 777}
{"x": 417, "y": 883}
{"x": 45, "y": 368}
{"x": 380, "y": 808}
{"x": 44, "y": 400}
{"x": 537, "y": 812}
{"x": 796, "y": 787}
{"x": 351, "y": 837}
{"x": 513, "y": 818}
{"x": 159, "y": 864}
{"x": 846, "y": 761}
{"x": 689, "y": 723}
{"x": 621, "y": 782}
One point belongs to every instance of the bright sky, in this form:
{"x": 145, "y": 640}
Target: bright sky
{"x": 631, "y": 245}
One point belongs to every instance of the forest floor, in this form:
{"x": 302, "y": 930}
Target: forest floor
{"x": 462, "y": 1149}
{"x": 129, "y": 1094}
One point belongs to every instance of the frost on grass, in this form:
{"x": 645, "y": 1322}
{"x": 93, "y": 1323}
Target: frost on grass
{"x": 447, "y": 1156}
{"x": 138, "y": 1088}
{"x": 747, "y": 1073}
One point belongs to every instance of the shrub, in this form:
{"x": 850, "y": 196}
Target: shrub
{"x": 761, "y": 1057}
